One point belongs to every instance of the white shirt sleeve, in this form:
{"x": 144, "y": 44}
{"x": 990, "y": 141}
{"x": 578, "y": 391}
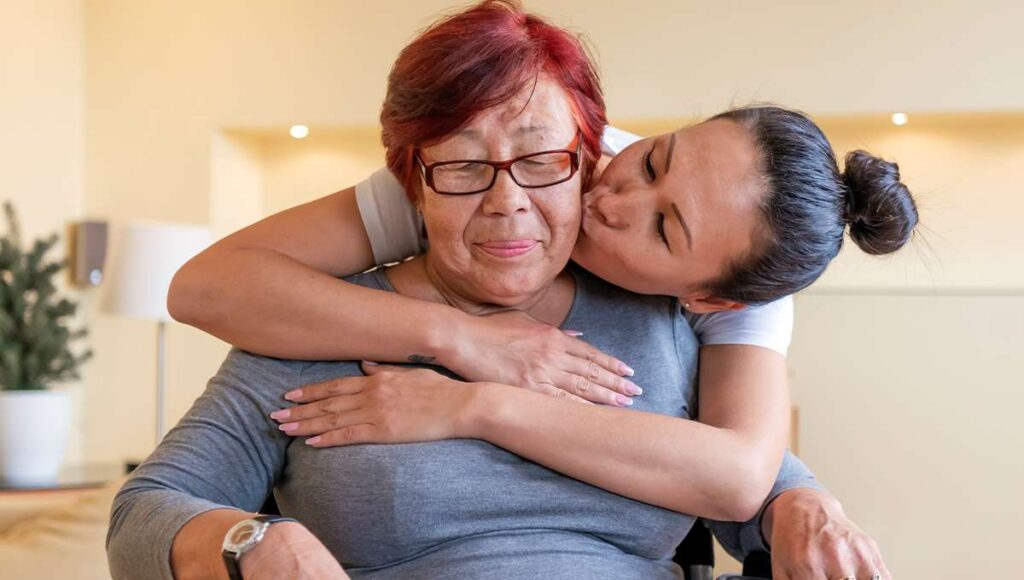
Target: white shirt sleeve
{"x": 392, "y": 223}
{"x": 615, "y": 140}
{"x": 769, "y": 325}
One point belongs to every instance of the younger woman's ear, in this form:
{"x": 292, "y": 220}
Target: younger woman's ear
{"x": 702, "y": 304}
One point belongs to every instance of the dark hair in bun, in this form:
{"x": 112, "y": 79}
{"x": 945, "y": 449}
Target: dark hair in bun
{"x": 809, "y": 203}
{"x": 879, "y": 209}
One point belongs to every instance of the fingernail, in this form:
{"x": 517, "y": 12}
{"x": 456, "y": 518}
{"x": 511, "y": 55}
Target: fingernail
{"x": 634, "y": 389}
{"x": 626, "y": 370}
{"x": 624, "y": 401}
{"x": 369, "y": 363}
{"x": 313, "y": 440}
{"x": 293, "y": 395}
{"x": 282, "y": 414}
{"x": 573, "y": 333}
{"x": 288, "y": 427}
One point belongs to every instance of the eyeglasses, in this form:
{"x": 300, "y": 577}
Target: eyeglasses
{"x": 468, "y": 176}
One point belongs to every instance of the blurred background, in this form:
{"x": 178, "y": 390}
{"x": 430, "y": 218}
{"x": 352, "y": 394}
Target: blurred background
{"x": 906, "y": 371}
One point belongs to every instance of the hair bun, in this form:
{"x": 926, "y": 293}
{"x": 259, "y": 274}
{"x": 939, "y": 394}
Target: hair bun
{"x": 879, "y": 208}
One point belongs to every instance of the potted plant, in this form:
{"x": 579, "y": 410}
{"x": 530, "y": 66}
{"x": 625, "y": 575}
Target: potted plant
{"x": 35, "y": 354}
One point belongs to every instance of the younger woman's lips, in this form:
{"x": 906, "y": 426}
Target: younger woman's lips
{"x": 508, "y": 248}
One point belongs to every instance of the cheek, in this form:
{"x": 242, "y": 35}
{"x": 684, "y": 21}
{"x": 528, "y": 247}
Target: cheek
{"x": 560, "y": 210}
{"x": 564, "y": 219}
{"x": 446, "y": 220}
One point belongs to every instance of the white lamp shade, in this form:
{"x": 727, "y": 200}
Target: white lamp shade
{"x": 145, "y": 258}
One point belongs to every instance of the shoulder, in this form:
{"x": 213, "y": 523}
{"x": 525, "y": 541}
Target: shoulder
{"x": 245, "y": 366}
{"x": 616, "y": 308}
{"x": 599, "y": 292}
{"x": 392, "y": 225}
{"x": 768, "y": 325}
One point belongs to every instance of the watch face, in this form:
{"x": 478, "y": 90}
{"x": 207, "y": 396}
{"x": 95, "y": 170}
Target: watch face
{"x": 242, "y": 534}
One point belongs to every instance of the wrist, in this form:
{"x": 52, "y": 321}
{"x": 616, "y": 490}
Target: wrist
{"x": 269, "y": 549}
{"x": 449, "y": 336}
{"x": 480, "y": 414}
{"x": 797, "y": 503}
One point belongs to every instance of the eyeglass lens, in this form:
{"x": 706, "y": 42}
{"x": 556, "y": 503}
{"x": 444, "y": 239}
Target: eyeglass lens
{"x": 533, "y": 171}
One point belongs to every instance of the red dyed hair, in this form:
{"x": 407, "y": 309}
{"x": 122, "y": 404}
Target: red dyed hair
{"x": 477, "y": 59}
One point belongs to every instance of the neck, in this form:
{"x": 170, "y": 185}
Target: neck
{"x": 416, "y": 279}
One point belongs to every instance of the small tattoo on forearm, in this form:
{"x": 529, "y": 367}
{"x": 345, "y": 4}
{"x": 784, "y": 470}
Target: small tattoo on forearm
{"x": 421, "y": 359}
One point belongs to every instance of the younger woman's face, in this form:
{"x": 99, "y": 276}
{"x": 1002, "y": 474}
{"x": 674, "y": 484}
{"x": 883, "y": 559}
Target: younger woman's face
{"x": 671, "y": 213}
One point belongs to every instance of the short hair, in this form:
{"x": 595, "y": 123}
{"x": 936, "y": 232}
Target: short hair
{"x": 474, "y": 60}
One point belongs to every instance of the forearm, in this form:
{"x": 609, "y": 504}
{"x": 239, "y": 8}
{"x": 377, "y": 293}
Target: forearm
{"x": 145, "y": 529}
{"x": 265, "y": 302}
{"x": 196, "y": 551}
{"x": 232, "y": 461}
{"x": 793, "y": 480}
{"x": 674, "y": 463}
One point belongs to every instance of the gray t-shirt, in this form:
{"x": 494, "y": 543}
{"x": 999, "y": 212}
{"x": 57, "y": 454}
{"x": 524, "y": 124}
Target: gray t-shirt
{"x": 448, "y": 509}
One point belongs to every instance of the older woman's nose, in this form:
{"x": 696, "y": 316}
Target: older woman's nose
{"x": 506, "y": 197}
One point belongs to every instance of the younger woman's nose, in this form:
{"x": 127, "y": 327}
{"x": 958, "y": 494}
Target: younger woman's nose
{"x": 610, "y": 207}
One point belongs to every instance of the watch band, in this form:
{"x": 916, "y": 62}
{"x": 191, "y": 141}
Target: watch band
{"x": 231, "y": 559}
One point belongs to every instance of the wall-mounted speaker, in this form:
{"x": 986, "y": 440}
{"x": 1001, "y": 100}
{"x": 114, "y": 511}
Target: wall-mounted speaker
{"x": 87, "y": 252}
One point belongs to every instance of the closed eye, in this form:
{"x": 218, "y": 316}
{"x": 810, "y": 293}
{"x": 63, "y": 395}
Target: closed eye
{"x": 648, "y": 167}
{"x": 661, "y": 230}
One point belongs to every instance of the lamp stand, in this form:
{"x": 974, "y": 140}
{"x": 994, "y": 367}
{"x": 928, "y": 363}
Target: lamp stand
{"x": 160, "y": 380}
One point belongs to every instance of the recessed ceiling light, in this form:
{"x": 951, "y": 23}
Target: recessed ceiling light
{"x": 299, "y": 131}
{"x": 899, "y": 119}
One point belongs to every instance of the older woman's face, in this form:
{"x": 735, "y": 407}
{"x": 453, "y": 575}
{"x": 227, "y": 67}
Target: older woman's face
{"x": 504, "y": 245}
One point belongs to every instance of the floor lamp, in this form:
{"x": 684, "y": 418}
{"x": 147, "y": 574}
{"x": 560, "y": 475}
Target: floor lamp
{"x": 146, "y": 255}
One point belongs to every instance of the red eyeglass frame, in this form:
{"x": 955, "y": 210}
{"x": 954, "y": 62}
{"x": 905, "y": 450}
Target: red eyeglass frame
{"x": 574, "y": 162}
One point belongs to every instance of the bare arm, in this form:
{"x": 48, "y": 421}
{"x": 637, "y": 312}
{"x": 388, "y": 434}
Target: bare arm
{"x": 195, "y": 552}
{"x": 288, "y": 550}
{"x": 272, "y": 289}
{"x": 811, "y": 537}
{"x": 721, "y": 468}
{"x": 215, "y": 468}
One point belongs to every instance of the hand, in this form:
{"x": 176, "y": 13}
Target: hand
{"x": 389, "y": 405}
{"x": 811, "y": 538}
{"x": 289, "y": 550}
{"x": 515, "y": 349}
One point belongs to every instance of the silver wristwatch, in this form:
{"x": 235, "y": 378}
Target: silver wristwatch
{"x": 244, "y": 536}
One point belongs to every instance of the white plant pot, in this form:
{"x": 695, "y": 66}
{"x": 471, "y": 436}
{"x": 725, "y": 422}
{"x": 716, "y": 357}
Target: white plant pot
{"x": 34, "y": 427}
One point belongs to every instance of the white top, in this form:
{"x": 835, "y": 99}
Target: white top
{"x": 396, "y": 232}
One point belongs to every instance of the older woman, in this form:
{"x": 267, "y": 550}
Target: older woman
{"x": 457, "y": 508}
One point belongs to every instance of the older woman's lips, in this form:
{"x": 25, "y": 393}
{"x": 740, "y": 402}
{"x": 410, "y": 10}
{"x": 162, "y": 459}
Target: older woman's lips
{"x": 509, "y": 249}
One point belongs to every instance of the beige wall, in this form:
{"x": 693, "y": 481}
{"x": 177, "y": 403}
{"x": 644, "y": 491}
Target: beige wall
{"x": 910, "y": 415}
{"x": 297, "y": 171}
{"x": 41, "y": 125}
{"x": 178, "y": 102}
